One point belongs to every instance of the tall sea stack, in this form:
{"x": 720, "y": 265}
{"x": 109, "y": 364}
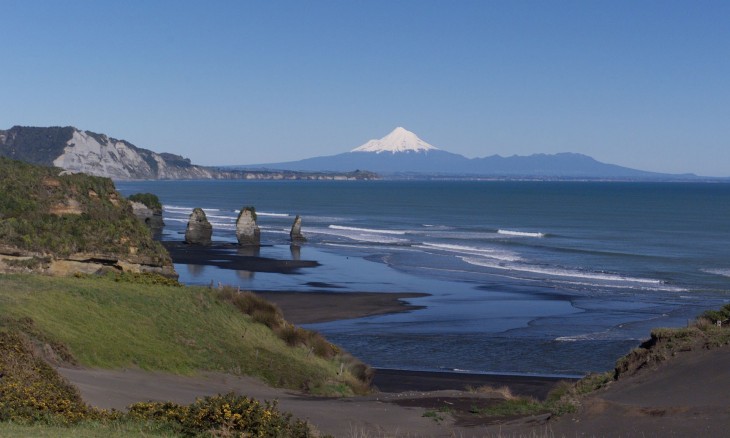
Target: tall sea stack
{"x": 199, "y": 231}
{"x": 295, "y": 234}
{"x": 247, "y": 232}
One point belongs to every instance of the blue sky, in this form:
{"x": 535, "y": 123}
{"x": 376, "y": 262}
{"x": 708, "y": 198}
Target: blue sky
{"x": 644, "y": 84}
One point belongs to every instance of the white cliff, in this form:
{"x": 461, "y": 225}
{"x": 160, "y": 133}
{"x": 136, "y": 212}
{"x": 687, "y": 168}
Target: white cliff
{"x": 103, "y": 156}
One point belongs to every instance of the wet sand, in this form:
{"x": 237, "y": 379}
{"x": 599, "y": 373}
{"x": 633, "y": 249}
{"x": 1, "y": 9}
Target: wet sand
{"x": 314, "y": 307}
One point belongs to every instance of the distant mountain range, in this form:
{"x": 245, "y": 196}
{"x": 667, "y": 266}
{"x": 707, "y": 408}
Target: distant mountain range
{"x": 402, "y": 153}
{"x": 399, "y": 154}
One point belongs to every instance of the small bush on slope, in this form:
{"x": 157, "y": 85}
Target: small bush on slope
{"x": 270, "y": 315}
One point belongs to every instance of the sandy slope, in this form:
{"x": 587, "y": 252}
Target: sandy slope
{"x": 687, "y": 396}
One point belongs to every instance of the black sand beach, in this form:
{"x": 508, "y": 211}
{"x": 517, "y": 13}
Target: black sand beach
{"x": 314, "y": 307}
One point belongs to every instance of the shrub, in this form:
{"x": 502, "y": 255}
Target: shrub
{"x": 148, "y": 278}
{"x": 361, "y": 371}
{"x": 251, "y": 304}
{"x": 224, "y": 415}
{"x": 269, "y": 314}
{"x": 150, "y": 200}
{"x": 250, "y": 208}
{"x": 320, "y": 346}
{"x": 292, "y": 335}
{"x": 722, "y": 315}
{"x": 593, "y": 382}
{"x": 30, "y": 390}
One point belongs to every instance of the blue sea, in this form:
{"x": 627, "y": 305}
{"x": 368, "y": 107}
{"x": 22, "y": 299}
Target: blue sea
{"x": 540, "y": 278}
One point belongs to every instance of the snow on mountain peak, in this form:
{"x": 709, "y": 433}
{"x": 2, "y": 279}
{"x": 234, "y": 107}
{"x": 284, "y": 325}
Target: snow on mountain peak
{"x": 399, "y": 140}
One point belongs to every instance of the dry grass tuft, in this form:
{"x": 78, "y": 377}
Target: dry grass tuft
{"x": 503, "y": 391}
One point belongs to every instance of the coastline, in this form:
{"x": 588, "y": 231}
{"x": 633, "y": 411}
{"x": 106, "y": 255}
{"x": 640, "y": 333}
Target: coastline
{"x": 319, "y": 305}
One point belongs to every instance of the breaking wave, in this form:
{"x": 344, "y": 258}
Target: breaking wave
{"x": 178, "y": 208}
{"x": 558, "y": 272}
{"x": 520, "y": 233}
{"x": 462, "y": 249}
{"x": 367, "y": 230}
{"x": 721, "y": 272}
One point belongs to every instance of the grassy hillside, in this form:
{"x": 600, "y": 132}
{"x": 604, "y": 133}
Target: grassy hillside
{"x": 109, "y": 324}
{"x": 36, "y": 401}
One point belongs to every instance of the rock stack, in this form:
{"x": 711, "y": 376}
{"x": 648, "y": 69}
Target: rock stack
{"x": 247, "y": 232}
{"x": 295, "y": 234}
{"x": 152, "y": 217}
{"x": 199, "y": 230}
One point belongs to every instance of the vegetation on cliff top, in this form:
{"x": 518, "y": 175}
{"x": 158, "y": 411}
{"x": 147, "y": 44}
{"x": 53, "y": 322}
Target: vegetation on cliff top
{"x": 44, "y": 212}
{"x": 35, "y": 144}
{"x": 150, "y": 200}
{"x": 251, "y": 209}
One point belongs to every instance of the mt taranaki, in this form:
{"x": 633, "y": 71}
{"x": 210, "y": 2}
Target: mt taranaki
{"x": 403, "y": 152}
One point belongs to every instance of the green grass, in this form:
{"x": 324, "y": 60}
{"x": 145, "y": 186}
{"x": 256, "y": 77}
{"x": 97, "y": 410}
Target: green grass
{"x": 114, "y": 325}
{"x": 513, "y": 407}
{"x": 128, "y": 429}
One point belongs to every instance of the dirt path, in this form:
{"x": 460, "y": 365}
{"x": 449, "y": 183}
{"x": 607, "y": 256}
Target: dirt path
{"x": 374, "y": 416}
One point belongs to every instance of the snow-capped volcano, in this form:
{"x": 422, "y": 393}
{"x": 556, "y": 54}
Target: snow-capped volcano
{"x": 399, "y": 140}
{"x": 402, "y": 152}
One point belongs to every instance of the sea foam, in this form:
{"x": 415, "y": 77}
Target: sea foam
{"x": 367, "y": 230}
{"x": 520, "y": 233}
{"x": 558, "y": 272}
{"x": 721, "y": 272}
{"x": 357, "y": 234}
{"x": 463, "y": 249}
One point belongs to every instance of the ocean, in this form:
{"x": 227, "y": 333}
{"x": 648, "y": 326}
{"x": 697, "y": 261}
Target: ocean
{"x": 523, "y": 277}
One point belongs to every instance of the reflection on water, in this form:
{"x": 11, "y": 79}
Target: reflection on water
{"x": 245, "y": 275}
{"x": 296, "y": 252}
{"x": 249, "y": 251}
{"x": 195, "y": 270}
